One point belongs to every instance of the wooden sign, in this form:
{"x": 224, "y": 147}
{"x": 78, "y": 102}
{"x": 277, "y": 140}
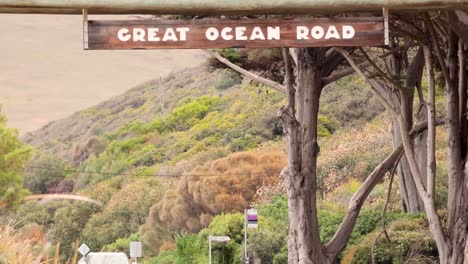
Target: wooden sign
{"x": 220, "y": 33}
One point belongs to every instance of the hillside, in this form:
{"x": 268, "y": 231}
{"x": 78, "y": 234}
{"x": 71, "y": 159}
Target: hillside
{"x": 347, "y": 106}
{"x": 169, "y": 156}
{"x": 144, "y": 103}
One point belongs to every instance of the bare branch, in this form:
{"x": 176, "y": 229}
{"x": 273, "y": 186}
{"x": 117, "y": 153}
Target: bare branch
{"x": 435, "y": 224}
{"x": 339, "y": 240}
{"x": 289, "y": 80}
{"x": 457, "y": 25}
{"x": 407, "y": 33}
{"x": 350, "y": 70}
{"x": 248, "y": 74}
{"x": 431, "y": 159}
{"x": 379, "y": 71}
{"x": 379, "y": 94}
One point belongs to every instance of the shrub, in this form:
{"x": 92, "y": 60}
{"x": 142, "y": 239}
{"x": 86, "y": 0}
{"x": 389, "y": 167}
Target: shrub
{"x": 410, "y": 241}
{"x": 13, "y": 157}
{"x": 41, "y": 179}
{"x": 123, "y": 244}
{"x": 226, "y": 79}
{"x": 187, "y": 115}
{"x": 125, "y": 212}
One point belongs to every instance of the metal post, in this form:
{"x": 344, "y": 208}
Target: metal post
{"x": 209, "y": 248}
{"x": 246, "y": 255}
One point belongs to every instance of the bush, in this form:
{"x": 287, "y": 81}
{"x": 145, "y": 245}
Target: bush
{"x": 165, "y": 257}
{"x": 411, "y": 240}
{"x": 187, "y": 115}
{"x": 13, "y": 157}
{"x": 125, "y": 212}
{"x": 47, "y": 175}
{"x": 123, "y": 244}
{"x": 226, "y": 79}
{"x": 69, "y": 222}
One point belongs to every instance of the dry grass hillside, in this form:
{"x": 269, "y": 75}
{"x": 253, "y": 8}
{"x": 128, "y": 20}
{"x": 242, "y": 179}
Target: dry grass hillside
{"x": 143, "y": 103}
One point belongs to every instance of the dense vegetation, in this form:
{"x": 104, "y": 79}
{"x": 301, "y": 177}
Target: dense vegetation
{"x": 13, "y": 156}
{"x": 178, "y": 159}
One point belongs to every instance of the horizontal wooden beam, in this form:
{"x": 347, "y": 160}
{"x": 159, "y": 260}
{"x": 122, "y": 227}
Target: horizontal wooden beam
{"x": 206, "y": 7}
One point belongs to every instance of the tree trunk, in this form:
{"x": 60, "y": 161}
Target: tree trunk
{"x": 300, "y": 175}
{"x": 458, "y": 189}
{"x": 410, "y": 198}
{"x": 454, "y": 73}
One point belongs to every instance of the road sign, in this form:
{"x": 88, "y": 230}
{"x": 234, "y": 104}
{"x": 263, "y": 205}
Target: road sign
{"x": 220, "y": 239}
{"x": 84, "y": 250}
{"x": 217, "y": 239}
{"x": 252, "y": 218}
{"x": 224, "y": 33}
{"x": 135, "y": 249}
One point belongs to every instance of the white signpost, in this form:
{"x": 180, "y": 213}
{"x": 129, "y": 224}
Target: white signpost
{"x": 251, "y": 221}
{"x": 135, "y": 250}
{"x": 83, "y": 250}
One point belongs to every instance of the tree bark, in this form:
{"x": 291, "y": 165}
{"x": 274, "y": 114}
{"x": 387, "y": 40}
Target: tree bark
{"x": 411, "y": 200}
{"x": 300, "y": 175}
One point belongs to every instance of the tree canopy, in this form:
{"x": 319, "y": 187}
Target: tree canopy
{"x": 13, "y": 156}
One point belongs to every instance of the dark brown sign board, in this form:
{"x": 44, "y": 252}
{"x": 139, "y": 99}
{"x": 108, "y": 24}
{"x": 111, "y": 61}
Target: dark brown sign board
{"x": 222, "y": 33}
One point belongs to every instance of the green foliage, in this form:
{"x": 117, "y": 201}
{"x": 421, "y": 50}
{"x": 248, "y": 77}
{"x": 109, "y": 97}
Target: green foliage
{"x": 282, "y": 257}
{"x": 187, "y": 115}
{"x": 123, "y": 244}
{"x": 411, "y": 241}
{"x": 13, "y": 157}
{"x": 165, "y": 257}
{"x": 41, "y": 214}
{"x": 349, "y": 103}
{"x": 231, "y": 225}
{"x": 190, "y": 250}
{"x": 232, "y": 55}
{"x": 227, "y": 79}
{"x": 43, "y": 179}
{"x": 124, "y": 213}
{"x": 69, "y": 222}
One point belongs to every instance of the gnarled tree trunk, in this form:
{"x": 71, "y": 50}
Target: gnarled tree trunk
{"x": 410, "y": 199}
{"x": 300, "y": 175}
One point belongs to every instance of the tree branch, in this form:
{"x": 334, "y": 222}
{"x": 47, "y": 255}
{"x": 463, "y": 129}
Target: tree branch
{"x": 350, "y": 70}
{"x": 381, "y": 96}
{"x": 339, "y": 240}
{"x": 248, "y": 74}
{"x": 435, "y": 224}
{"x": 457, "y": 25}
{"x": 431, "y": 159}
{"x": 379, "y": 71}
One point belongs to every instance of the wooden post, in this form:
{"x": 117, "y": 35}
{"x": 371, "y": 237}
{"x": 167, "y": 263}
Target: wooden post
{"x": 57, "y": 253}
{"x": 85, "y": 29}
{"x": 386, "y": 26}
